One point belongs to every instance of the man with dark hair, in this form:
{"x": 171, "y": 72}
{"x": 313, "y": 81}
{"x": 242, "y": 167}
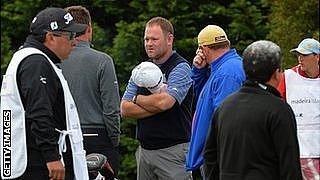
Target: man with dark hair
{"x": 164, "y": 119}
{"x": 39, "y": 119}
{"x": 253, "y": 132}
{"x": 217, "y": 72}
{"x": 93, "y": 83}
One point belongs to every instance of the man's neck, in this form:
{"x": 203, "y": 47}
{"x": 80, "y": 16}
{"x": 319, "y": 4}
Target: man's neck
{"x": 164, "y": 58}
{"x": 216, "y": 54}
{"x": 313, "y": 72}
{"x": 83, "y": 37}
{"x": 87, "y": 36}
{"x": 273, "y": 83}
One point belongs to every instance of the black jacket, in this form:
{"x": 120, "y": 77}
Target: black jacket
{"x": 42, "y": 97}
{"x": 253, "y": 138}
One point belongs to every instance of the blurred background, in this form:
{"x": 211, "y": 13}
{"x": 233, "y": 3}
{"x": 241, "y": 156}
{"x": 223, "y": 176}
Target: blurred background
{"x": 119, "y": 27}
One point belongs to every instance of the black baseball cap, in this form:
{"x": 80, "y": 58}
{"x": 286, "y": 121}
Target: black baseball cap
{"x": 55, "y": 19}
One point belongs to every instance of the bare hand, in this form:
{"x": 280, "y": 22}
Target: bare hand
{"x": 199, "y": 61}
{"x": 163, "y": 88}
{"x": 56, "y": 170}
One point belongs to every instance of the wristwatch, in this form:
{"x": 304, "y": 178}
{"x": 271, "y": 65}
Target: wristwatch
{"x": 134, "y": 100}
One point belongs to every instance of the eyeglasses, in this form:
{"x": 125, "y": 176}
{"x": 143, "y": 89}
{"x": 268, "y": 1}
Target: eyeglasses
{"x": 70, "y": 35}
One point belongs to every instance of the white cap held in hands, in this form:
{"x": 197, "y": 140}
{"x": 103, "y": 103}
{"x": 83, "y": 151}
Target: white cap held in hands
{"x": 148, "y": 75}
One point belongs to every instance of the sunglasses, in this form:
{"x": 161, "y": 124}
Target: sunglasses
{"x": 70, "y": 35}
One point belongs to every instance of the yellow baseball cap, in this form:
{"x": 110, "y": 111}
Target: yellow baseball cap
{"x": 211, "y": 34}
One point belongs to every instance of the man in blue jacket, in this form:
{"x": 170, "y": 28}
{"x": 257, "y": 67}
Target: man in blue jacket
{"x": 217, "y": 72}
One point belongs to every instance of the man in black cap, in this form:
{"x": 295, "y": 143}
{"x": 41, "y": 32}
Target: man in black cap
{"x": 253, "y": 133}
{"x": 40, "y": 127}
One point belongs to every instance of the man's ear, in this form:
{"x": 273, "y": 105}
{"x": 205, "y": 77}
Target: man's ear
{"x": 318, "y": 58}
{"x": 89, "y": 29}
{"x": 48, "y": 37}
{"x": 170, "y": 39}
{"x": 277, "y": 76}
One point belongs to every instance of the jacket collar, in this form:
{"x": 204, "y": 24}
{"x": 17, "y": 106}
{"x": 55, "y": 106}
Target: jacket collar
{"x": 32, "y": 42}
{"x": 83, "y": 44}
{"x": 262, "y": 86}
{"x": 225, "y": 57}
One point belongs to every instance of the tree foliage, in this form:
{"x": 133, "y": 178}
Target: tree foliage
{"x": 15, "y": 19}
{"x": 118, "y": 27}
{"x": 248, "y": 22}
{"x": 290, "y": 22}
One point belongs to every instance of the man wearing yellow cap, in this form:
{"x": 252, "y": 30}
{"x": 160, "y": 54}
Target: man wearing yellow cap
{"x": 217, "y": 72}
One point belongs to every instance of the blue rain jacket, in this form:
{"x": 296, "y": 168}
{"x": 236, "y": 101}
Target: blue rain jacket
{"x": 212, "y": 85}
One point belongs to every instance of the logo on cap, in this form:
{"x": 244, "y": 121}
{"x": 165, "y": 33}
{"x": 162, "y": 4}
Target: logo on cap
{"x": 211, "y": 34}
{"x": 54, "y": 25}
{"x": 220, "y": 38}
{"x": 68, "y": 17}
{"x": 34, "y": 19}
{"x": 55, "y": 19}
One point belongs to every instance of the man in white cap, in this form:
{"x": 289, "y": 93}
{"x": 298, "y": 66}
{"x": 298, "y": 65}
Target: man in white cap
{"x": 217, "y": 72}
{"x": 300, "y": 87}
{"x": 40, "y": 129}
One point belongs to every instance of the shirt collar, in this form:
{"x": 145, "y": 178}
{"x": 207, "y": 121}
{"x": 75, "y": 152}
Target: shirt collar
{"x": 32, "y": 42}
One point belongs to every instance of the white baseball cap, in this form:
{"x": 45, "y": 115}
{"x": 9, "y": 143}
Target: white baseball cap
{"x": 308, "y": 46}
{"x": 148, "y": 75}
